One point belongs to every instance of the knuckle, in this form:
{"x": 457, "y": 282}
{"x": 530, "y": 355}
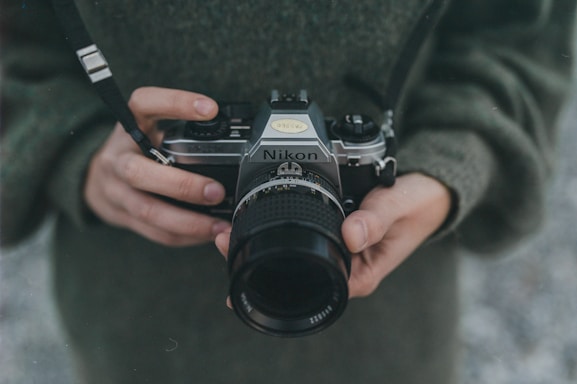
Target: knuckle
{"x": 377, "y": 225}
{"x": 178, "y": 103}
{"x": 145, "y": 213}
{"x": 135, "y": 102}
{"x": 399, "y": 202}
{"x": 130, "y": 170}
{"x": 105, "y": 159}
{"x": 187, "y": 189}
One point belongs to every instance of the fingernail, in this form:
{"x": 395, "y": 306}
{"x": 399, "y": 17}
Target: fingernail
{"x": 204, "y": 106}
{"x": 359, "y": 235}
{"x": 213, "y": 192}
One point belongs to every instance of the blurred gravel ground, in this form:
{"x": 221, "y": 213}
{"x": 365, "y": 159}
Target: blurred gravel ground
{"x": 519, "y": 313}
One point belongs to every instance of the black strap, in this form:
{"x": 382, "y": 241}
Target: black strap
{"x": 71, "y": 22}
{"x": 97, "y": 69}
{"x": 422, "y": 30}
{"x": 99, "y": 73}
{"x": 387, "y": 101}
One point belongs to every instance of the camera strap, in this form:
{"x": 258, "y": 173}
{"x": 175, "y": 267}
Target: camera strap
{"x": 98, "y": 71}
{"x": 387, "y": 101}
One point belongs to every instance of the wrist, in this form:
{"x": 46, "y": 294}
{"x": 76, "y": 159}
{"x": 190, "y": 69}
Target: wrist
{"x": 459, "y": 160}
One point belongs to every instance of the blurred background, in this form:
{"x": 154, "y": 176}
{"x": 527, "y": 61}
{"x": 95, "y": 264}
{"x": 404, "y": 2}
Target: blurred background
{"x": 519, "y": 312}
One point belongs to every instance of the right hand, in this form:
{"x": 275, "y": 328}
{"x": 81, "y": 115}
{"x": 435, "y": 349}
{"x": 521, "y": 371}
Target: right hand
{"x": 121, "y": 181}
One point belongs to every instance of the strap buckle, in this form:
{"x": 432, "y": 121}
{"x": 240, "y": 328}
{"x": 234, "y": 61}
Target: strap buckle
{"x": 160, "y": 157}
{"x": 94, "y": 63}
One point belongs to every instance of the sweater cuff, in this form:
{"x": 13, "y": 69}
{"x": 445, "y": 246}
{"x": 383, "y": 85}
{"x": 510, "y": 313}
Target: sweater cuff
{"x": 458, "y": 159}
{"x": 66, "y": 186}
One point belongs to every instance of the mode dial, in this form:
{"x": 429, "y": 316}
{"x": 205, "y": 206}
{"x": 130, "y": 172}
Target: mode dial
{"x": 356, "y": 128}
{"x": 214, "y": 129}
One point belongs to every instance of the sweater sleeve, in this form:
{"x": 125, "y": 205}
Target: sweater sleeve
{"x": 51, "y": 121}
{"x": 483, "y": 118}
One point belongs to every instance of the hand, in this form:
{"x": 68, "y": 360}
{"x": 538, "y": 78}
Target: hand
{"x": 121, "y": 181}
{"x": 388, "y": 226}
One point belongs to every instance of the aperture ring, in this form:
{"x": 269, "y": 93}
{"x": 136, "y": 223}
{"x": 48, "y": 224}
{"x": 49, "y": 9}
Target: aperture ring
{"x": 286, "y": 184}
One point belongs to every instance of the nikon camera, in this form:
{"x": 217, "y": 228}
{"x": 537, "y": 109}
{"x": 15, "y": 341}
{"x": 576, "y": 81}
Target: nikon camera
{"x": 291, "y": 177}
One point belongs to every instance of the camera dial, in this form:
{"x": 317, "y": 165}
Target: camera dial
{"x": 214, "y": 129}
{"x": 291, "y": 178}
{"x": 355, "y": 128}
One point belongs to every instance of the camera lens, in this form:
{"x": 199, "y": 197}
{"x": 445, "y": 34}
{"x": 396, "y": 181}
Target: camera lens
{"x": 287, "y": 261}
{"x": 289, "y": 287}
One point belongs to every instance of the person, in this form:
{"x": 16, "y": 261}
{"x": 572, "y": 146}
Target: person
{"x": 138, "y": 281}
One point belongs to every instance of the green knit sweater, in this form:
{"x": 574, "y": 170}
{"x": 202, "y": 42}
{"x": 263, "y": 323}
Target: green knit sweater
{"x": 478, "y": 114}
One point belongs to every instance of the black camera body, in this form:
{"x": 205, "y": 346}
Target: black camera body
{"x": 291, "y": 177}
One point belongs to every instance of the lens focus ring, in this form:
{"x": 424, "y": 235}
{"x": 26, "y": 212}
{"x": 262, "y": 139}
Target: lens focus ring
{"x": 287, "y": 207}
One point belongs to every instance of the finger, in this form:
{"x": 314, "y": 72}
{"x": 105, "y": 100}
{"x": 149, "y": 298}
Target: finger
{"x": 222, "y": 242}
{"x": 172, "y": 219}
{"x": 155, "y": 212}
{"x": 146, "y": 175}
{"x": 367, "y": 226}
{"x": 401, "y": 239}
{"x": 150, "y": 104}
{"x": 121, "y": 205}
{"x": 377, "y": 212}
{"x": 159, "y": 234}
{"x": 118, "y": 217}
{"x": 371, "y": 266}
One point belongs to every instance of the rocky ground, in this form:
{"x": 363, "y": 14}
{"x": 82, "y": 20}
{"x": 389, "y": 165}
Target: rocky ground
{"x": 519, "y": 313}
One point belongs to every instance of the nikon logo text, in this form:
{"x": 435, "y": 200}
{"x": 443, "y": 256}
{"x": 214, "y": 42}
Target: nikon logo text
{"x": 289, "y": 126}
{"x": 283, "y": 154}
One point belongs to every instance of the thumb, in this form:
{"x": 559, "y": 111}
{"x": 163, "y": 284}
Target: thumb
{"x": 150, "y": 104}
{"x": 368, "y": 225}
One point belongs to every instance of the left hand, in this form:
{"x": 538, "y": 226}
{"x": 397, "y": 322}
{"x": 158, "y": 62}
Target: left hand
{"x": 389, "y": 225}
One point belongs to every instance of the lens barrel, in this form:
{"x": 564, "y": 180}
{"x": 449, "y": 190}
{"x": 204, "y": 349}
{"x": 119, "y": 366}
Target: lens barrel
{"x": 287, "y": 262}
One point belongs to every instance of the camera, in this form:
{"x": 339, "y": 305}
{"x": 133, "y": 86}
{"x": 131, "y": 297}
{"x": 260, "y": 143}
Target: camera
{"x": 291, "y": 177}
